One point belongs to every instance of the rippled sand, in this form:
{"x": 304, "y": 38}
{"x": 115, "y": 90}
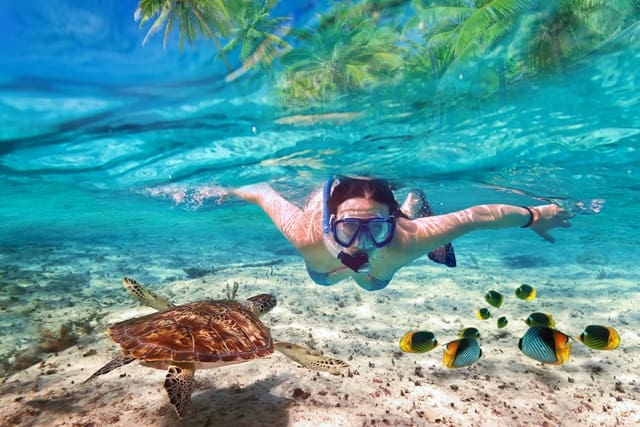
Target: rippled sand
{"x": 383, "y": 386}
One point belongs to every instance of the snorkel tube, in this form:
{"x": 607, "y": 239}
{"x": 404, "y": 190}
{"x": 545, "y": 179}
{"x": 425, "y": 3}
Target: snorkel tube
{"x": 326, "y": 215}
{"x": 358, "y": 262}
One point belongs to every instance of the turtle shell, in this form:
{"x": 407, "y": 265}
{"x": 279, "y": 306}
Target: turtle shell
{"x": 207, "y": 333}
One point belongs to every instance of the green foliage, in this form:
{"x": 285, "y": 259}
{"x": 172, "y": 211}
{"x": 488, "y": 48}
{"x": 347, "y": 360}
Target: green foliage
{"x": 347, "y": 52}
{"x": 243, "y": 23}
{"x": 461, "y": 46}
{"x": 464, "y": 44}
{"x": 194, "y": 17}
{"x": 479, "y": 47}
{"x": 576, "y": 28}
{"x": 256, "y": 32}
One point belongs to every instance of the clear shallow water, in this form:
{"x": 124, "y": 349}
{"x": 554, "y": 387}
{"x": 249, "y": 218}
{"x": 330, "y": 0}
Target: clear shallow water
{"x": 95, "y": 128}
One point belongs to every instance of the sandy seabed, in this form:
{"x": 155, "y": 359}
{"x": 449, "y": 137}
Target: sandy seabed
{"x": 382, "y": 386}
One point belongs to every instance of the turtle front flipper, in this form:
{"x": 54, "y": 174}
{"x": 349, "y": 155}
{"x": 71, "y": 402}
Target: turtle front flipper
{"x": 179, "y": 385}
{"x": 146, "y": 296}
{"x": 113, "y": 364}
{"x": 309, "y": 358}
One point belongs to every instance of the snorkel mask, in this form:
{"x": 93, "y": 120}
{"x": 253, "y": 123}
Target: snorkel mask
{"x": 370, "y": 233}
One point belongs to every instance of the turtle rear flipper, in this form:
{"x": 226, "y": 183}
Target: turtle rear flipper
{"x": 179, "y": 385}
{"x": 310, "y": 359}
{"x": 146, "y": 296}
{"x": 113, "y": 364}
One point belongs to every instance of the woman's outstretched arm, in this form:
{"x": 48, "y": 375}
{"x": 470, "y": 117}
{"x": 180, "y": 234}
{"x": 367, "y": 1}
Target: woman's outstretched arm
{"x": 424, "y": 234}
{"x": 295, "y": 224}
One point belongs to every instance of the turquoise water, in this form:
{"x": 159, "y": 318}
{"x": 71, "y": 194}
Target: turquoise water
{"x": 100, "y": 134}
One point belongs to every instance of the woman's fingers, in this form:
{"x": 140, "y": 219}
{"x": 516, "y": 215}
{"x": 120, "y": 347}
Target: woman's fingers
{"x": 546, "y": 236}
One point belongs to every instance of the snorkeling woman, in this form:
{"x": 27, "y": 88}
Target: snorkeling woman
{"x": 354, "y": 227}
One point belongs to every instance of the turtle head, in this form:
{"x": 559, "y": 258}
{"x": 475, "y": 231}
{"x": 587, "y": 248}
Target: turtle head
{"x": 262, "y": 303}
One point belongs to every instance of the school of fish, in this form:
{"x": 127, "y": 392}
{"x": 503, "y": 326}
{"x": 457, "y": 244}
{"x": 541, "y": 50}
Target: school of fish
{"x": 541, "y": 342}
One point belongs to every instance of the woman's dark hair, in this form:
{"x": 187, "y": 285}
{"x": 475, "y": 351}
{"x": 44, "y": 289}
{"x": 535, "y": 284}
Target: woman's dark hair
{"x": 375, "y": 189}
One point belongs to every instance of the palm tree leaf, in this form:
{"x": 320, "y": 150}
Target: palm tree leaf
{"x": 167, "y": 30}
{"x": 356, "y": 75}
{"x": 443, "y": 18}
{"x": 186, "y": 28}
{"x": 387, "y": 60}
{"x": 203, "y": 24}
{"x": 232, "y": 44}
{"x": 160, "y": 21}
{"x": 278, "y": 41}
{"x": 476, "y": 32}
{"x": 254, "y": 34}
{"x": 148, "y": 8}
{"x": 246, "y": 48}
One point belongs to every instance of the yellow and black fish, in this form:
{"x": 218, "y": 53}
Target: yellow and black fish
{"x": 469, "y": 333}
{"x": 461, "y": 352}
{"x": 600, "y": 337}
{"x": 546, "y": 345}
{"x": 494, "y": 298}
{"x": 483, "y": 314}
{"x": 418, "y": 342}
{"x": 502, "y": 322}
{"x": 526, "y": 292}
{"x": 540, "y": 319}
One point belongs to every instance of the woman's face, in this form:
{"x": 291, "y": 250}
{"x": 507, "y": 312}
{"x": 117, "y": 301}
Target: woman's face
{"x": 361, "y": 208}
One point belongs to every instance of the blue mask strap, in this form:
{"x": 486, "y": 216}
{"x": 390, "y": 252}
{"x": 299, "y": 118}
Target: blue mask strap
{"x": 326, "y": 215}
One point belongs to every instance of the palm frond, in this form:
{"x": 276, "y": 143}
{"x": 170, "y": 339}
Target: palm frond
{"x": 167, "y": 7}
{"x": 441, "y": 18}
{"x": 148, "y": 8}
{"x": 493, "y": 19}
{"x": 168, "y": 29}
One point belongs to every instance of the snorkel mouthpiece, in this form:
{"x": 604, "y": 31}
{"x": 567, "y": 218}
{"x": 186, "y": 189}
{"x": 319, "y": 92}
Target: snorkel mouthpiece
{"x": 358, "y": 262}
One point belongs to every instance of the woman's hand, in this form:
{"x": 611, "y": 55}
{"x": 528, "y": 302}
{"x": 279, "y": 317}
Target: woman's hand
{"x": 550, "y": 216}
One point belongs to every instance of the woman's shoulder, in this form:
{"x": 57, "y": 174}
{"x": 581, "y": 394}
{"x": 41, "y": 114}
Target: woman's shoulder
{"x": 315, "y": 201}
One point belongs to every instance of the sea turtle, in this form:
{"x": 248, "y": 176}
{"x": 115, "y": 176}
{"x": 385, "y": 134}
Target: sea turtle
{"x": 200, "y": 335}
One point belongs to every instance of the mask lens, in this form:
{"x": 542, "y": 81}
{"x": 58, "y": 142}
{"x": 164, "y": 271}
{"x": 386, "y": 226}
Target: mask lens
{"x": 345, "y": 231}
{"x": 380, "y": 230}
